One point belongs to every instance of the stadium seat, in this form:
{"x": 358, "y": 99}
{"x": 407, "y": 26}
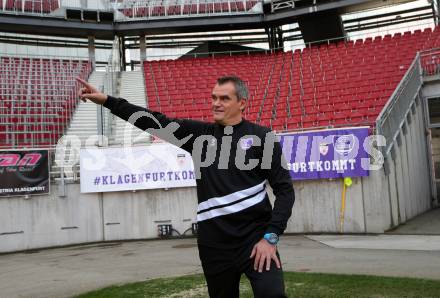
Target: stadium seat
{"x": 37, "y": 99}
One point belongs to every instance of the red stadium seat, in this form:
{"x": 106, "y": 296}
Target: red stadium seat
{"x": 44, "y": 105}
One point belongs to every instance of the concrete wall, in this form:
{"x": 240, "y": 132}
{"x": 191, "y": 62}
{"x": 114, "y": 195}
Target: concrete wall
{"x": 135, "y": 215}
{"x": 318, "y": 204}
{"x": 406, "y": 191}
{"x": 373, "y": 204}
{"x": 45, "y": 221}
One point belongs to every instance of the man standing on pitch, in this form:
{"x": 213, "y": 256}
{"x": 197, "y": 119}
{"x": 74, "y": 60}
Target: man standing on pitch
{"x": 237, "y": 228}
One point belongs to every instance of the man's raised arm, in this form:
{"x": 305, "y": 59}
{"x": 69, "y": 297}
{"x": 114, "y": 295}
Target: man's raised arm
{"x": 179, "y": 132}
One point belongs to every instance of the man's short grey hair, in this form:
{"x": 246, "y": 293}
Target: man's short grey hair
{"x": 240, "y": 87}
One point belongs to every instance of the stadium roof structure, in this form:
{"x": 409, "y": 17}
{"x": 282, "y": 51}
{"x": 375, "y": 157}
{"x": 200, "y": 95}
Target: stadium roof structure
{"x": 137, "y": 18}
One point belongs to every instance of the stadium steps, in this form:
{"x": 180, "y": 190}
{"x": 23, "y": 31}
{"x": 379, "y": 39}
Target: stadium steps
{"x": 83, "y": 125}
{"x": 257, "y": 90}
{"x": 273, "y": 90}
{"x": 84, "y": 122}
{"x": 132, "y": 88}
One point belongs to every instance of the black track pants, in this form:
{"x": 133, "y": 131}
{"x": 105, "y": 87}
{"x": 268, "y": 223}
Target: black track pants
{"x": 223, "y": 271}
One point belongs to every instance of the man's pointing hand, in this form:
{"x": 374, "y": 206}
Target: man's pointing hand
{"x": 91, "y": 93}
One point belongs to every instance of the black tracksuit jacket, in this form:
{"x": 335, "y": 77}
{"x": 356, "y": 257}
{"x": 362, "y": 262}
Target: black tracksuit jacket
{"x": 234, "y": 208}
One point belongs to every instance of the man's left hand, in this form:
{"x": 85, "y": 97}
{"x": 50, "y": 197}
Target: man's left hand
{"x": 263, "y": 252}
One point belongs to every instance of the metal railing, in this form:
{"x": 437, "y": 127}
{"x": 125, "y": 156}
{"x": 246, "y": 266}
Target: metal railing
{"x": 390, "y": 121}
{"x": 30, "y": 7}
{"x": 52, "y": 7}
{"x": 152, "y": 9}
{"x": 139, "y": 9}
{"x": 430, "y": 62}
{"x": 110, "y": 88}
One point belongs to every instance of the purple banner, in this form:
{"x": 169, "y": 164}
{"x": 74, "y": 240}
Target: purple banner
{"x": 335, "y": 153}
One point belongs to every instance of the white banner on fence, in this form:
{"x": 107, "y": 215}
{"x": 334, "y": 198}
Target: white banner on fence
{"x": 131, "y": 168}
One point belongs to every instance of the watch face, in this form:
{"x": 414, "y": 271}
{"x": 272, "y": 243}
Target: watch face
{"x": 272, "y": 238}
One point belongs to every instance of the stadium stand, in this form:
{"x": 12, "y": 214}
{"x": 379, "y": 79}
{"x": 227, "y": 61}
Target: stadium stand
{"x": 37, "y": 99}
{"x": 337, "y": 84}
{"x": 31, "y": 6}
{"x": 140, "y": 9}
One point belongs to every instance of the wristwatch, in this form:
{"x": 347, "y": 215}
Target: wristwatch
{"x": 272, "y": 238}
